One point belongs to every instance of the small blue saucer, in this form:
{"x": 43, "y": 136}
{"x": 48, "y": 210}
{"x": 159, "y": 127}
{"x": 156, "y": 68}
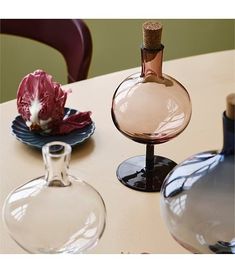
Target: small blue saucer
{"x": 21, "y": 131}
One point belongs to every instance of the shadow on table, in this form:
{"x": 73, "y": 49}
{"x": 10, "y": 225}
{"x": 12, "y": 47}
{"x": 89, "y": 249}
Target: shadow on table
{"x": 84, "y": 149}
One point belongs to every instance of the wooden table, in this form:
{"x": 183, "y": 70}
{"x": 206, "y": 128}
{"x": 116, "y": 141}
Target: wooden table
{"x": 134, "y": 223}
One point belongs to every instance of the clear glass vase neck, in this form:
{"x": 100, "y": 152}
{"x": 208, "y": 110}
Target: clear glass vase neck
{"x": 56, "y": 156}
{"x": 151, "y": 61}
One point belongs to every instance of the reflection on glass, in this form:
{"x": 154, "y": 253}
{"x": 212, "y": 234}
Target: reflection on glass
{"x": 55, "y": 213}
{"x": 149, "y": 108}
{"x": 198, "y": 203}
{"x": 150, "y": 111}
{"x": 198, "y": 196}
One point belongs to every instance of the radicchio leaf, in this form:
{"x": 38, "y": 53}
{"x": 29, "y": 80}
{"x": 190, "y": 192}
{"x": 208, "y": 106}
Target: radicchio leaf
{"x": 41, "y": 101}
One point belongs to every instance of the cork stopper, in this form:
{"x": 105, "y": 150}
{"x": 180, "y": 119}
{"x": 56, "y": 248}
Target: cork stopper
{"x": 230, "y": 106}
{"x": 152, "y": 33}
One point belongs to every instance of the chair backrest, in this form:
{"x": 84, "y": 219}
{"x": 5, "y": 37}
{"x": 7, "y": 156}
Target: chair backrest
{"x": 71, "y": 37}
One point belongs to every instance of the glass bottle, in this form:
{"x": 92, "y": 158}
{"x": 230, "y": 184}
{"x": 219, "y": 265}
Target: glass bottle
{"x": 150, "y": 108}
{"x": 55, "y": 213}
{"x": 198, "y": 196}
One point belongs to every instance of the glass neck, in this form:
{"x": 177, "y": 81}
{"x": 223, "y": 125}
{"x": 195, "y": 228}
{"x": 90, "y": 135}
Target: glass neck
{"x": 228, "y": 130}
{"x": 56, "y": 159}
{"x": 152, "y": 63}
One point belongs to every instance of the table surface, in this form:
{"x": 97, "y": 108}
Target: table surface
{"x": 134, "y": 223}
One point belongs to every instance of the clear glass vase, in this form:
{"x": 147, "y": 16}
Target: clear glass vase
{"x": 150, "y": 108}
{"x": 55, "y": 213}
{"x": 198, "y": 198}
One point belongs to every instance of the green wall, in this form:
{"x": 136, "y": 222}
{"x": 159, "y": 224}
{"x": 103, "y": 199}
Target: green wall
{"x": 116, "y": 46}
{"x": 117, "y": 42}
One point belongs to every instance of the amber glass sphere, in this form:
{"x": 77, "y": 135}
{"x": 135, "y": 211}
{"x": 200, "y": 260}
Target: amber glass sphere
{"x": 150, "y": 110}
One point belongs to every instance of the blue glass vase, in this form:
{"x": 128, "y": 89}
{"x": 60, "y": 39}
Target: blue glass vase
{"x": 198, "y": 196}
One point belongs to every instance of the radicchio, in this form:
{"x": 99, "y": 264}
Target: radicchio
{"x": 41, "y": 101}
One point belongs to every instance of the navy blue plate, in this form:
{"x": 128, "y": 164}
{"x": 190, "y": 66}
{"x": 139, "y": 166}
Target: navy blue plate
{"x": 21, "y": 131}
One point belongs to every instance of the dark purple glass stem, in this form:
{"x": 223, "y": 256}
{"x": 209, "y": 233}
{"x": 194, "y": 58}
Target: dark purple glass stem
{"x": 149, "y": 157}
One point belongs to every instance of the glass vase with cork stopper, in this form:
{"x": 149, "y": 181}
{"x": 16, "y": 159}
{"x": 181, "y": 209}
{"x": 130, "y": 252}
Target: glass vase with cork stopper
{"x": 150, "y": 108}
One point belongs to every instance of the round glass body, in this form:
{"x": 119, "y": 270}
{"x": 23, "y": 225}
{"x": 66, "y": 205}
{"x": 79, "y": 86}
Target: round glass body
{"x": 151, "y": 109}
{"x": 55, "y": 213}
{"x": 198, "y": 203}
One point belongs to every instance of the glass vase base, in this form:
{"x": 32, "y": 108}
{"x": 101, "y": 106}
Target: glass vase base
{"x": 133, "y": 174}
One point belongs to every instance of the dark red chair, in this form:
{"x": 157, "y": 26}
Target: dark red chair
{"x": 71, "y": 37}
